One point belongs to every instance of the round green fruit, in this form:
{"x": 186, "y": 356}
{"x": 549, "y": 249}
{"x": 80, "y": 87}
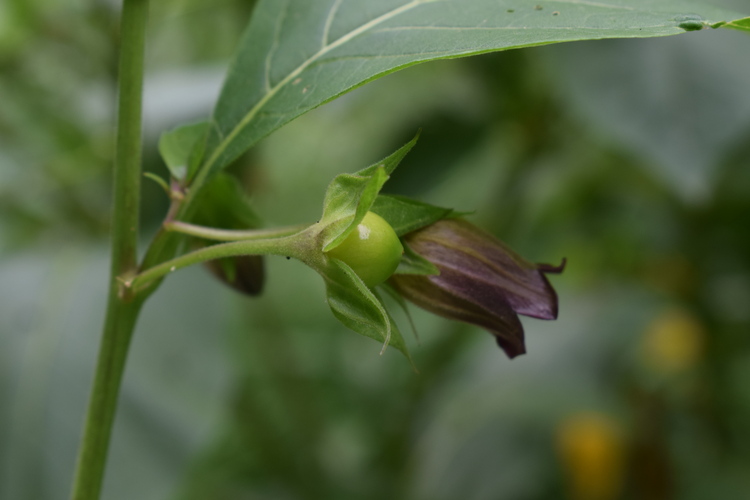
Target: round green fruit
{"x": 372, "y": 250}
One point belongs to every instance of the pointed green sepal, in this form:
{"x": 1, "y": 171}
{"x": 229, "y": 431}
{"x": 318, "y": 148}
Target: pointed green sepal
{"x": 399, "y": 300}
{"x": 350, "y": 196}
{"x": 406, "y": 215}
{"x": 357, "y": 307}
{"x": 413, "y": 263}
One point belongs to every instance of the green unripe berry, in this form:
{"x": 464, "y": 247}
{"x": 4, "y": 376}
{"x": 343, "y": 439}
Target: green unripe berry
{"x": 372, "y": 250}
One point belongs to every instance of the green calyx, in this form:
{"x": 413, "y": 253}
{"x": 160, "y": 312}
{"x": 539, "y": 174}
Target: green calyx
{"x": 372, "y": 250}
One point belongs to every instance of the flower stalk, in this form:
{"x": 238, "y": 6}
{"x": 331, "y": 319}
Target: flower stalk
{"x": 296, "y": 245}
{"x": 211, "y": 233}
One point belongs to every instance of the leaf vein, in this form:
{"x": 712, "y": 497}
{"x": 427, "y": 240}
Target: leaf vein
{"x": 274, "y": 46}
{"x": 329, "y": 22}
{"x": 594, "y": 4}
{"x": 248, "y": 117}
{"x": 504, "y": 28}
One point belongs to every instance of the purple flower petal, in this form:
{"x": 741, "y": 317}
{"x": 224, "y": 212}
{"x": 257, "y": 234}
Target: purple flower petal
{"x": 481, "y": 281}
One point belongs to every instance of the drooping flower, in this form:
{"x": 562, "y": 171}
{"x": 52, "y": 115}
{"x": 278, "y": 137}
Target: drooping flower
{"x": 481, "y": 281}
{"x": 362, "y": 237}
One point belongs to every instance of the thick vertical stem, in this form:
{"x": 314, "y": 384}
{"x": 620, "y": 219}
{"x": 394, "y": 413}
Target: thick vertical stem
{"x": 121, "y": 315}
{"x": 127, "y": 171}
{"x": 92, "y": 455}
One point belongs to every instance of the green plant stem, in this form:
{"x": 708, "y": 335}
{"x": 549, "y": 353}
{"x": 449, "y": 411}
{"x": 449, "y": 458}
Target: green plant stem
{"x": 92, "y": 456}
{"x": 211, "y": 233}
{"x": 297, "y": 246}
{"x": 121, "y": 314}
{"x": 127, "y": 168}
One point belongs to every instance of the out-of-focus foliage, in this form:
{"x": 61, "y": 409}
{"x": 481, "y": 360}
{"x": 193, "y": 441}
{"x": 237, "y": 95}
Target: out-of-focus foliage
{"x": 630, "y": 158}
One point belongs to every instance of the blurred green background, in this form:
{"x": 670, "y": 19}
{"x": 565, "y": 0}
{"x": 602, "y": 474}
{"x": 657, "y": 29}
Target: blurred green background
{"x": 629, "y": 157}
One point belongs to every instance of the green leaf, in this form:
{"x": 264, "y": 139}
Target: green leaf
{"x": 358, "y": 308}
{"x": 739, "y": 24}
{"x": 350, "y": 196}
{"x": 406, "y": 215}
{"x": 224, "y": 204}
{"x": 413, "y": 263}
{"x": 177, "y": 145}
{"x": 299, "y": 54}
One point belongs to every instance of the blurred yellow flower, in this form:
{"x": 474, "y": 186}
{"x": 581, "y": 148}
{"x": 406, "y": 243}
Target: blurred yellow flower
{"x": 673, "y": 342}
{"x": 591, "y": 450}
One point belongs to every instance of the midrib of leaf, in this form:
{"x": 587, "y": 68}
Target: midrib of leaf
{"x": 593, "y": 4}
{"x": 272, "y": 91}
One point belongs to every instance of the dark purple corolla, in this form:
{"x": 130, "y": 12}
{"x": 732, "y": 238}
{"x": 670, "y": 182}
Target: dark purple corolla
{"x": 481, "y": 281}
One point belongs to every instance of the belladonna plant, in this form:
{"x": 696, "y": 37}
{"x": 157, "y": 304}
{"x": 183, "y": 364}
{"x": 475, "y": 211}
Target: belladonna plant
{"x": 295, "y": 56}
{"x": 365, "y": 242}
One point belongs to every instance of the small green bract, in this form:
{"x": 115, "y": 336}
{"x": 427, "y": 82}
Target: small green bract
{"x": 372, "y": 250}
